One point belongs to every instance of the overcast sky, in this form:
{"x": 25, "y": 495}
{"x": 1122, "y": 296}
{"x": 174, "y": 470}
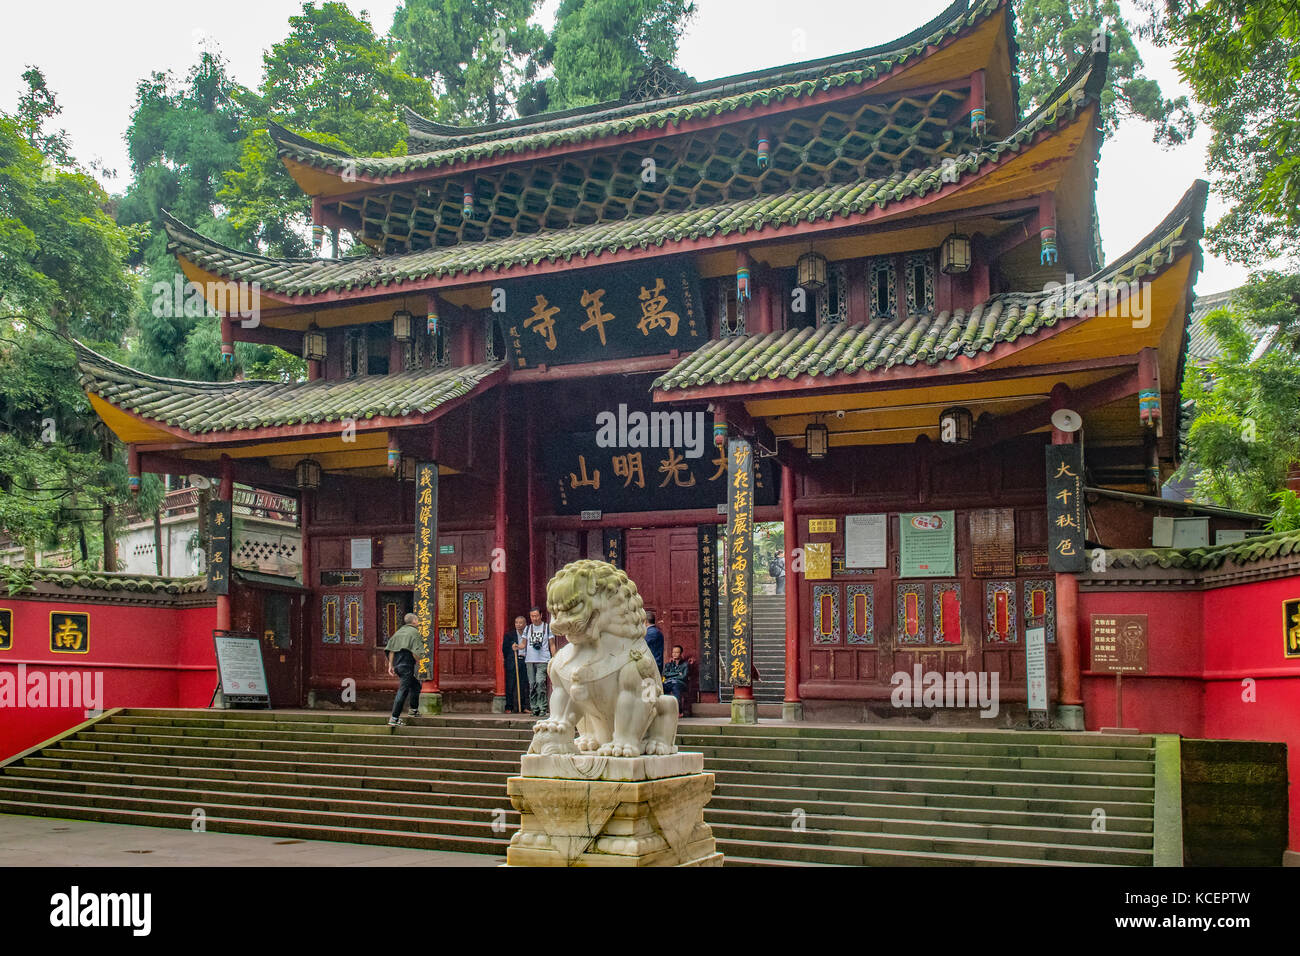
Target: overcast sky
{"x": 93, "y": 54}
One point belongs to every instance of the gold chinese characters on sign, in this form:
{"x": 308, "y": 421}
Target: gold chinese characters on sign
{"x": 69, "y": 632}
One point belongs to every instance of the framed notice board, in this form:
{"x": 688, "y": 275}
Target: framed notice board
{"x": 240, "y": 674}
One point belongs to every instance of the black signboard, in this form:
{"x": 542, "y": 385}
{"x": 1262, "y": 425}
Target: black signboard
{"x": 342, "y": 579}
{"x": 219, "y": 535}
{"x": 426, "y": 557}
{"x": 708, "y": 659}
{"x": 6, "y": 629}
{"x": 1065, "y": 549}
{"x": 69, "y": 632}
{"x": 608, "y": 313}
{"x": 739, "y": 572}
{"x": 612, "y": 546}
{"x": 645, "y": 459}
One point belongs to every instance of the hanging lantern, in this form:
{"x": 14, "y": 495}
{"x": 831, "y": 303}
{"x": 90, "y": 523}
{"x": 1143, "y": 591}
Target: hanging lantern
{"x": 720, "y": 434}
{"x": 403, "y": 327}
{"x": 467, "y": 211}
{"x": 313, "y": 344}
{"x": 1149, "y": 406}
{"x": 1047, "y": 237}
{"x": 955, "y": 254}
{"x": 133, "y": 482}
{"x": 317, "y": 237}
{"x": 817, "y": 441}
{"x": 811, "y": 271}
{"x": 742, "y": 283}
{"x": 764, "y": 153}
{"x": 977, "y": 121}
{"x": 406, "y": 469}
{"x": 955, "y": 425}
{"x": 308, "y": 473}
{"x": 433, "y": 320}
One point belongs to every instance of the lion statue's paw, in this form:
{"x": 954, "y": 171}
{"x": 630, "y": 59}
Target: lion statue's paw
{"x": 587, "y": 743}
{"x": 656, "y": 747}
{"x": 619, "y": 750}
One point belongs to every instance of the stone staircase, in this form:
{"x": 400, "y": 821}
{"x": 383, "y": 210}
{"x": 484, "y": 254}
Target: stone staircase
{"x": 769, "y": 648}
{"x": 786, "y": 794}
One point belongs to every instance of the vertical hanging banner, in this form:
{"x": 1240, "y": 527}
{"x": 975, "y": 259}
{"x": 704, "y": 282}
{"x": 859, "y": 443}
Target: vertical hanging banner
{"x": 426, "y": 555}
{"x": 219, "y": 533}
{"x": 1065, "y": 548}
{"x": 708, "y": 662}
{"x": 739, "y": 573}
{"x": 611, "y": 546}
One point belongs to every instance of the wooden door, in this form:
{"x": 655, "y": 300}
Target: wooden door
{"x": 466, "y": 651}
{"x": 663, "y": 564}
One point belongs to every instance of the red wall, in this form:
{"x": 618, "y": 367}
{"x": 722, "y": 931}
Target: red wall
{"x": 1201, "y": 646}
{"x": 149, "y": 656}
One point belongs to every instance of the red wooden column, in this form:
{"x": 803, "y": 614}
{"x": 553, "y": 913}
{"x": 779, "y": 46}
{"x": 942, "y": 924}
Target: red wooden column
{"x": 792, "y": 708}
{"x": 1070, "y": 706}
{"x": 533, "y": 597}
{"x": 225, "y": 492}
{"x": 498, "y": 560}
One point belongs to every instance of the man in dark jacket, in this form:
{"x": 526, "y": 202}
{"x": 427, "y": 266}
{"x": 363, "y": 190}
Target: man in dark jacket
{"x": 677, "y": 674}
{"x": 655, "y": 638}
{"x": 405, "y": 649}
{"x": 513, "y": 649}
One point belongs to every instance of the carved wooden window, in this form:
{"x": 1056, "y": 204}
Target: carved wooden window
{"x": 833, "y": 301}
{"x": 881, "y": 289}
{"x": 355, "y": 353}
{"x": 731, "y": 311}
{"x": 919, "y": 268}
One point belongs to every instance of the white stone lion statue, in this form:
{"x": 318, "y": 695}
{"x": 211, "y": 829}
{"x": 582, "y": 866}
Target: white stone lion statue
{"x": 605, "y": 685}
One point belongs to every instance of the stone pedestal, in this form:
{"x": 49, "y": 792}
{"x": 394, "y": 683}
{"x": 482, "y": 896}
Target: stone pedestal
{"x": 1069, "y": 716}
{"x": 498, "y": 705}
{"x": 430, "y": 703}
{"x": 584, "y": 810}
{"x": 792, "y": 710}
{"x": 744, "y": 711}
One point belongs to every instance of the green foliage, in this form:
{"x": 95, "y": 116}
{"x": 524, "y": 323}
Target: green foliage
{"x": 1054, "y": 34}
{"x": 334, "y": 80}
{"x": 479, "y": 54}
{"x": 1243, "y": 437}
{"x": 1242, "y": 61}
{"x": 599, "y": 46}
{"x": 16, "y": 580}
{"x": 62, "y": 273}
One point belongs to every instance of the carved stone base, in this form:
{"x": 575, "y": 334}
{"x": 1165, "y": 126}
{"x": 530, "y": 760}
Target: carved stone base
{"x": 792, "y": 710}
{"x": 612, "y": 811}
{"x": 744, "y": 711}
{"x": 430, "y": 703}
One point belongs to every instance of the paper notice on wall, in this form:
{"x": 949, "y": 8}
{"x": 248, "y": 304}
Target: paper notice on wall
{"x": 1036, "y": 667}
{"x": 865, "y": 541}
{"x": 360, "y": 553}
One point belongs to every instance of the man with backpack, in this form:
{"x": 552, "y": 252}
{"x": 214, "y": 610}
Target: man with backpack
{"x": 776, "y": 568}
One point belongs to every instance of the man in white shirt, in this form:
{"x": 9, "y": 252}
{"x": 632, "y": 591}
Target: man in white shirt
{"x": 541, "y": 645}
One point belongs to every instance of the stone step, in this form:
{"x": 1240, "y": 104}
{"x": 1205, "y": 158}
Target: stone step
{"x": 430, "y": 757}
{"x": 774, "y": 853}
{"x": 468, "y": 747}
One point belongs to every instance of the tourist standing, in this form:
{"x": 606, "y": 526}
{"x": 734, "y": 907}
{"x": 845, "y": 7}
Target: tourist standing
{"x": 513, "y": 648}
{"x": 654, "y": 638}
{"x": 541, "y": 645}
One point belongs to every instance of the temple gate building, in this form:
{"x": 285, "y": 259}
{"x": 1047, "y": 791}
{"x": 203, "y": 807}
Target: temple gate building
{"x": 861, "y": 297}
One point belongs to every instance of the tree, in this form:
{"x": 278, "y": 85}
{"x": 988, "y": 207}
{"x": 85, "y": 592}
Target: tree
{"x": 478, "y": 54}
{"x": 599, "y": 46}
{"x": 1242, "y": 439}
{"x": 331, "y": 79}
{"x": 1052, "y": 35}
{"x": 63, "y": 274}
{"x": 1242, "y": 61}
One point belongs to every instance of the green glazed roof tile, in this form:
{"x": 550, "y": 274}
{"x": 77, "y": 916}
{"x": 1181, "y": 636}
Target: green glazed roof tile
{"x": 204, "y": 407}
{"x": 833, "y": 349}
